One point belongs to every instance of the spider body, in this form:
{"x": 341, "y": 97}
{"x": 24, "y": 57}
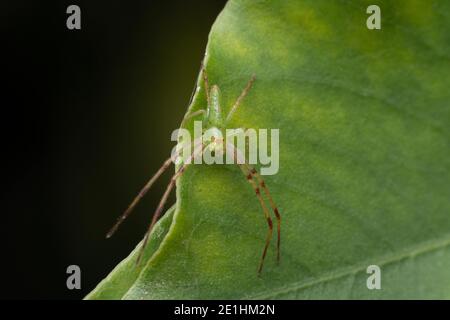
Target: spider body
{"x": 213, "y": 115}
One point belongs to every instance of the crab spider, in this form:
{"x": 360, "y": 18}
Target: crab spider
{"x": 212, "y": 120}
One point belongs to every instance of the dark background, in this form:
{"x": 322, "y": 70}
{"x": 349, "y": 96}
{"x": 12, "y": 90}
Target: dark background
{"x": 86, "y": 119}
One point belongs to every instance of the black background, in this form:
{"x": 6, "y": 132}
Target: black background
{"x": 86, "y": 119}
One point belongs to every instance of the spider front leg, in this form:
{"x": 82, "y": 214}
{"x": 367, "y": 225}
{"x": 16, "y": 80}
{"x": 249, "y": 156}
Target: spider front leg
{"x": 157, "y": 214}
{"x": 145, "y": 189}
{"x": 191, "y": 115}
{"x": 208, "y": 98}
{"x": 138, "y": 198}
{"x": 241, "y": 97}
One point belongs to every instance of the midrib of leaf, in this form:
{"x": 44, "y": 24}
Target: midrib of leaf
{"x": 408, "y": 253}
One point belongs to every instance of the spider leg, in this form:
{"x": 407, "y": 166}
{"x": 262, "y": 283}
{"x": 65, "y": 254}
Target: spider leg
{"x": 190, "y": 115}
{"x": 241, "y": 97}
{"x": 140, "y": 195}
{"x": 143, "y": 191}
{"x": 250, "y": 179}
{"x": 195, "y": 86}
{"x": 163, "y": 201}
{"x": 262, "y": 184}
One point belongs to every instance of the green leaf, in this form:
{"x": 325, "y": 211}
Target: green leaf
{"x": 364, "y": 173}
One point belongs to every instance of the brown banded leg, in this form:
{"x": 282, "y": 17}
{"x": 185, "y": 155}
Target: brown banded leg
{"x": 144, "y": 190}
{"x": 249, "y": 177}
{"x": 163, "y": 201}
{"x": 159, "y": 209}
{"x": 262, "y": 184}
{"x": 140, "y": 195}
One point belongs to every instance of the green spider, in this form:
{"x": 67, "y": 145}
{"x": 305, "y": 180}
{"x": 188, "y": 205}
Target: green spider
{"x": 212, "y": 120}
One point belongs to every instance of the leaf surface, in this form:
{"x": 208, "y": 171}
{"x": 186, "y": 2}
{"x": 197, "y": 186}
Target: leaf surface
{"x": 364, "y": 175}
